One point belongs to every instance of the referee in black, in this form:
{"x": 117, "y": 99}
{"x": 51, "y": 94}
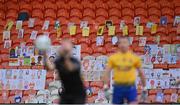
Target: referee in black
{"x": 68, "y": 68}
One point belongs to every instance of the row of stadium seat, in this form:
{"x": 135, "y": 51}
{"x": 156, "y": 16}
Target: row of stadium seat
{"x": 43, "y": 4}
{"x": 151, "y": 95}
{"x": 12, "y": 14}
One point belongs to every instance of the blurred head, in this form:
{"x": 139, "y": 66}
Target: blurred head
{"x": 123, "y": 44}
{"x": 51, "y": 58}
{"x": 67, "y": 46}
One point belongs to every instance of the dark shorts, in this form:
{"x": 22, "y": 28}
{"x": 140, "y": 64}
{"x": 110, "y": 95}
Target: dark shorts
{"x": 121, "y": 92}
{"x": 72, "y": 99}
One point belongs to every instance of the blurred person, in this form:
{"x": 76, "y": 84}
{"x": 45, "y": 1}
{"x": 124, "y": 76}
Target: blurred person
{"x": 68, "y": 69}
{"x": 124, "y": 64}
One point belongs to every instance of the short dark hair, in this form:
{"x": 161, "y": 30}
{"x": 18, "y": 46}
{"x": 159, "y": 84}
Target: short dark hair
{"x": 51, "y": 57}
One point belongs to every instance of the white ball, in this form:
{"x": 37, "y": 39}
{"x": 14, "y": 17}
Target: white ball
{"x": 43, "y": 42}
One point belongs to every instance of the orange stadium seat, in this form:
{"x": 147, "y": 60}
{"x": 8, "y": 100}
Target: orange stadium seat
{"x": 84, "y": 40}
{"x": 100, "y": 20}
{"x": 153, "y": 4}
{"x": 27, "y": 92}
{"x": 154, "y": 12}
{"x": 139, "y": 4}
{"x": 62, "y": 5}
{"x": 165, "y": 40}
{"x": 167, "y": 98}
{"x": 87, "y": 12}
{"x": 75, "y": 13}
{"x": 74, "y": 4}
{"x": 25, "y": 7}
{"x": 115, "y": 20}
{"x": 177, "y": 11}
{"x": 37, "y": 13}
{"x": 126, "y": 4}
{"x": 128, "y": 19}
{"x": 37, "y": 5}
{"x": 175, "y": 39}
{"x": 11, "y": 14}
{"x": 127, "y": 12}
{"x": 50, "y": 13}
{"x": 87, "y": 4}
{"x": 113, "y": 4}
{"x": 100, "y": 4}
{"x": 50, "y": 5}
{"x": 2, "y": 14}
{"x": 166, "y": 4}
{"x": 151, "y": 98}
{"x": 75, "y": 20}
{"x": 11, "y": 5}
{"x": 101, "y": 12}
{"x": 140, "y": 12}
{"x": 63, "y": 13}
{"x": 154, "y": 19}
{"x": 114, "y": 12}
